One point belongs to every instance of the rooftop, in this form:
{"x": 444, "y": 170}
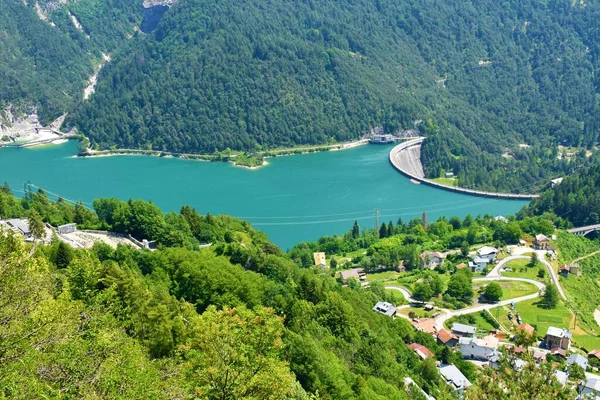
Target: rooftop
{"x": 462, "y": 328}
{"x": 558, "y": 332}
{"x": 445, "y": 336}
{"x": 593, "y": 384}
{"x": 541, "y": 237}
{"x": 527, "y": 328}
{"x": 594, "y": 353}
{"x": 385, "y": 308}
{"x": 453, "y": 376}
{"x": 485, "y": 250}
{"x": 352, "y": 273}
{"x": 421, "y": 350}
{"x": 426, "y": 325}
{"x": 20, "y": 224}
{"x": 577, "y": 359}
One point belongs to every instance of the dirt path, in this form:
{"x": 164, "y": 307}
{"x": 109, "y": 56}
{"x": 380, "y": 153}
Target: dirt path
{"x": 586, "y": 256}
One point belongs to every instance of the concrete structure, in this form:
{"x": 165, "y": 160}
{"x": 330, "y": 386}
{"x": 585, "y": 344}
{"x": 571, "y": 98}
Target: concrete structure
{"x": 584, "y": 230}
{"x": 20, "y": 226}
{"x": 385, "y": 308}
{"x": 454, "y": 378}
{"x": 578, "y": 359}
{"x": 431, "y": 259}
{"x": 356, "y": 273}
{"x": 462, "y": 330}
{"x": 478, "y": 264}
{"x": 67, "y": 228}
{"x": 421, "y": 351}
{"x": 406, "y": 158}
{"x": 558, "y": 338}
{"x": 488, "y": 253}
{"x": 501, "y": 219}
{"x": 319, "y": 258}
{"x": 541, "y": 242}
{"x": 483, "y": 349}
{"x": 449, "y": 175}
{"x": 590, "y": 389}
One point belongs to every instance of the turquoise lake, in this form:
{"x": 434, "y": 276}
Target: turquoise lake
{"x": 293, "y": 199}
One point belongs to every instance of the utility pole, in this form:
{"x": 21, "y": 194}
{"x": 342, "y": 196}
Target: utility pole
{"x": 377, "y": 215}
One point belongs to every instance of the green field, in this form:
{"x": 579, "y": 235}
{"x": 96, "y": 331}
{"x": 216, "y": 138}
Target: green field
{"x": 446, "y": 181}
{"x": 560, "y": 317}
{"x": 397, "y": 296}
{"x": 588, "y": 342}
{"x": 419, "y": 311}
{"x": 510, "y": 289}
{"x": 521, "y": 269}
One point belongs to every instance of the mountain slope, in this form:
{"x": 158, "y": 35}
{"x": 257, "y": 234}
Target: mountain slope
{"x": 250, "y": 75}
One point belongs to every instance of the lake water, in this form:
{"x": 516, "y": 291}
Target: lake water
{"x": 293, "y": 199}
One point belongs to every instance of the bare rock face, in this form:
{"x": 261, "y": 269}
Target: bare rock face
{"x": 153, "y": 3}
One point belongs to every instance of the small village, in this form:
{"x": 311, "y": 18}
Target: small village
{"x": 512, "y": 336}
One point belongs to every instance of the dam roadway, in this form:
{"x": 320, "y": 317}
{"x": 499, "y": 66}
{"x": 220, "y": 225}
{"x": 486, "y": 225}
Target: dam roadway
{"x": 406, "y": 158}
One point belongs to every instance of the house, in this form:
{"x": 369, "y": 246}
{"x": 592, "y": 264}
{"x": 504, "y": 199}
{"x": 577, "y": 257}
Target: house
{"x": 356, "y": 273}
{"x": 462, "y": 330}
{"x": 401, "y": 268}
{"x": 561, "y": 376}
{"x": 480, "y": 349}
{"x": 590, "y": 389}
{"x": 20, "y": 226}
{"x": 461, "y": 266}
{"x": 431, "y": 259}
{"x": 594, "y": 353}
{"x": 449, "y": 175}
{"x": 421, "y": 351}
{"x": 453, "y": 377}
{"x": 488, "y": 252}
{"x": 558, "y": 338}
{"x": 557, "y": 351}
{"x": 578, "y": 359}
{"x": 408, "y": 382}
{"x": 541, "y": 242}
{"x": 530, "y": 330}
{"x": 539, "y": 355}
{"x": 426, "y": 325}
{"x": 478, "y": 264}
{"x": 67, "y": 228}
{"x": 447, "y": 338}
{"x": 319, "y": 258}
{"x": 501, "y": 219}
{"x": 567, "y": 269}
{"x": 385, "y": 308}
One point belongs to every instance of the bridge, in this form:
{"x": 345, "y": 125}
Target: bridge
{"x": 585, "y": 230}
{"x": 406, "y": 159}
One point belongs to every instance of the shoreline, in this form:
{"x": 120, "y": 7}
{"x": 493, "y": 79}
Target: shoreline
{"x": 230, "y": 159}
{"x": 413, "y": 169}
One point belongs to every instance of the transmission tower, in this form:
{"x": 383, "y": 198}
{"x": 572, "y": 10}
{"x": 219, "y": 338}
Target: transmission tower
{"x": 377, "y": 215}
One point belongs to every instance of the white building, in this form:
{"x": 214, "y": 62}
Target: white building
{"x": 478, "y": 264}
{"x": 479, "y": 349}
{"x": 591, "y": 389}
{"x": 385, "y": 308}
{"x": 453, "y": 377}
{"x": 501, "y": 219}
{"x": 488, "y": 252}
{"x": 578, "y": 359}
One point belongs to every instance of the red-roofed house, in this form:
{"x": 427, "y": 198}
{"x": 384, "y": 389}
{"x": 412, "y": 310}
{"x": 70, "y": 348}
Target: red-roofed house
{"x": 421, "y": 350}
{"x": 426, "y": 325}
{"x": 447, "y": 338}
{"x": 557, "y": 351}
{"x": 594, "y": 353}
{"x": 530, "y": 330}
{"x": 431, "y": 259}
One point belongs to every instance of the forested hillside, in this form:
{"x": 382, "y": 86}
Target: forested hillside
{"x": 46, "y": 60}
{"x": 493, "y": 77}
{"x": 237, "y": 320}
{"x": 576, "y": 199}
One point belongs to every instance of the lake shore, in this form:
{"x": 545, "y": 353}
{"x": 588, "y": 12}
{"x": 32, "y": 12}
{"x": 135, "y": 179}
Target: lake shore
{"x": 253, "y": 161}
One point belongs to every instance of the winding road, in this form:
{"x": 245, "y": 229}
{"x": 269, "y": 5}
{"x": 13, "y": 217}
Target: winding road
{"x": 494, "y": 275}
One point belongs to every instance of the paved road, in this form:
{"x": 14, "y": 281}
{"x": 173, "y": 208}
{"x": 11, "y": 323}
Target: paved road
{"x": 494, "y": 275}
{"x": 542, "y": 257}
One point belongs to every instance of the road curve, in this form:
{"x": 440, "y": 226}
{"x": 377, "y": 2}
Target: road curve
{"x": 542, "y": 257}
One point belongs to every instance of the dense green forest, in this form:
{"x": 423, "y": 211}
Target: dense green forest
{"x": 576, "y": 199}
{"x": 46, "y": 64}
{"x": 488, "y": 77}
{"x": 237, "y": 320}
